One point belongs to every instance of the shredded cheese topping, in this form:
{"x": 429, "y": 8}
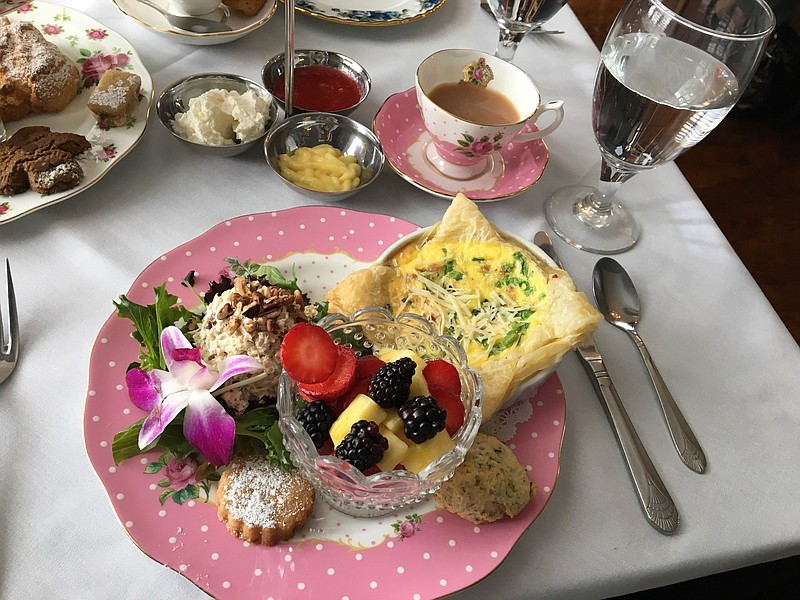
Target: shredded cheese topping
{"x": 482, "y": 294}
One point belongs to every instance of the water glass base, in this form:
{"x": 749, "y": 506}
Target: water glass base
{"x": 600, "y": 232}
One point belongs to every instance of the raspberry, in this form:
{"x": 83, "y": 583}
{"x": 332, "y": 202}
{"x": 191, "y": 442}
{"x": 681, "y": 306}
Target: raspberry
{"x": 389, "y": 387}
{"x": 422, "y": 418}
{"x": 364, "y": 446}
{"x": 317, "y": 418}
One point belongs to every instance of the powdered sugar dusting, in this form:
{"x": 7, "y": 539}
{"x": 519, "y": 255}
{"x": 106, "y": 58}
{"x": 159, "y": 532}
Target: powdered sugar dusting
{"x": 259, "y": 494}
{"x": 30, "y": 60}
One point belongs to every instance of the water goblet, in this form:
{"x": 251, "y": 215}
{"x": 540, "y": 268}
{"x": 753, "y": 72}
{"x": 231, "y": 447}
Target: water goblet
{"x": 669, "y": 72}
{"x": 517, "y": 18}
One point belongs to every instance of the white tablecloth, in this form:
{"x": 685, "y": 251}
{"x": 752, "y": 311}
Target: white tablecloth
{"x": 729, "y": 360}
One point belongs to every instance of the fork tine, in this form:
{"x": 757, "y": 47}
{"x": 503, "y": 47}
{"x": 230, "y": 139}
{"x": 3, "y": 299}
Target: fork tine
{"x": 11, "y": 348}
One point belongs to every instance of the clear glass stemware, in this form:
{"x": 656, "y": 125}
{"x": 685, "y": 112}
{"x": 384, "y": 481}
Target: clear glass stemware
{"x": 517, "y": 18}
{"x": 670, "y": 70}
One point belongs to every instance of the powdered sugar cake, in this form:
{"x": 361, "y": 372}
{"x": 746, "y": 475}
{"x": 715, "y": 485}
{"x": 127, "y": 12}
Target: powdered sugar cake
{"x": 261, "y": 503}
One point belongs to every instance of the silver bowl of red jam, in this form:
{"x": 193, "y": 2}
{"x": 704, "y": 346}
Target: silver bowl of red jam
{"x": 323, "y": 81}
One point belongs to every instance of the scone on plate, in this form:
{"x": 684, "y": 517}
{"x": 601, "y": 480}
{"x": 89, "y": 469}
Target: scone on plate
{"x": 261, "y": 503}
{"x": 35, "y": 76}
{"x": 490, "y": 484}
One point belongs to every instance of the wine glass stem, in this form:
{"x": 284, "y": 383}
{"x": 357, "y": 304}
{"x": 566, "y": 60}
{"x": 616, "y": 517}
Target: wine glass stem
{"x": 507, "y": 45}
{"x": 596, "y": 208}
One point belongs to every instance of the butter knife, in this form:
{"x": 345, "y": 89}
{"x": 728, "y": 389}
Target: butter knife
{"x": 654, "y": 498}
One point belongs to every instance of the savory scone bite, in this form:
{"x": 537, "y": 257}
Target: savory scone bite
{"x": 513, "y": 313}
{"x": 115, "y": 98}
{"x": 261, "y": 503}
{"x": 490, "y": 484}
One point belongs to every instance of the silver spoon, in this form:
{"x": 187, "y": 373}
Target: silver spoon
{"x": 618, "y": 301}
{"x": 193, "y": 24}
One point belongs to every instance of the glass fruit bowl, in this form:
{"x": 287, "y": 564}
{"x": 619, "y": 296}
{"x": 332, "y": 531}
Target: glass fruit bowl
{"x": 339, "y": 483}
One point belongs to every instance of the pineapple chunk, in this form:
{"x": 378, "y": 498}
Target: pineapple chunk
{"x": 395, "y": 454}
{"x": 420, "y": 456}
{"x": 419, "y": 387}
{"x": 362, "y": 407}
{"x": 393, "y": 422}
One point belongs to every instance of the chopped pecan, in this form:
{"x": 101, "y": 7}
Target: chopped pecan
{"x": 224, "y": 312}
{"x": 233, "y": 323}
{"x": 240, "y": 286}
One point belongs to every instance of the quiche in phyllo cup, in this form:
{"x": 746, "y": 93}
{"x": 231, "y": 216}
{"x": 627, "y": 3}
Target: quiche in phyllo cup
{"x": 515, "y": 314}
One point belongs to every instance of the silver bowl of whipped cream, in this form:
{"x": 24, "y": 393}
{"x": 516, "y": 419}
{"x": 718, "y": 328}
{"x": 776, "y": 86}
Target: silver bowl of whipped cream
{"x": 217, "y": 113}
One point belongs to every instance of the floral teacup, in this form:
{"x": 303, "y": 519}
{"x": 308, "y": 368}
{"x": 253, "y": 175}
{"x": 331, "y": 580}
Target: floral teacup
{"x": 460, "y": 147}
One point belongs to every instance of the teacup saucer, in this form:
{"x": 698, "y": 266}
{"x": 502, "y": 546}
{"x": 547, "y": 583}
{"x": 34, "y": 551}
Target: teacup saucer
{"x": 399, "y": 127}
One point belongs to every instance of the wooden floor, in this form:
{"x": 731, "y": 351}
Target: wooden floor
{"x": 747, "y": 174}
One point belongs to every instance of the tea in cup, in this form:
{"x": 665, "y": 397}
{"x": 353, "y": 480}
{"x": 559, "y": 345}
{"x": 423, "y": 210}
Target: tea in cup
{"x": 193, "y": 7}
{"x": 473, "y": 104}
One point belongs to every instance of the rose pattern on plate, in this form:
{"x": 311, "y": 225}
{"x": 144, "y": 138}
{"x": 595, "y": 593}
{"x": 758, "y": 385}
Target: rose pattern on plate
{"x": 94, "y": 64}
{"x": 52, "y": 29}
{"x": 107, "y": 152}
{"x": 96, "y": 34}
{"x": 408, "y": 527}
{"x": 26, "y": 8}
{"x": 469, "y": 146}
{"x": 4, "y": 207}
{"x": 184, "y": 478}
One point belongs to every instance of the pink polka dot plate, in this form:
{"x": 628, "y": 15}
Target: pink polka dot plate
{"x": 420, "y": 552}
{"x": 510, "y": 171}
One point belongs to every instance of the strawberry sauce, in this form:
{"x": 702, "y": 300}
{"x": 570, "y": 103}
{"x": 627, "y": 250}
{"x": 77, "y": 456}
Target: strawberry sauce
{"x": 320, "y": 88}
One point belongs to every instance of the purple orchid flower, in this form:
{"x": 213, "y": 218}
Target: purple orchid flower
{"x": 188, "y": 384}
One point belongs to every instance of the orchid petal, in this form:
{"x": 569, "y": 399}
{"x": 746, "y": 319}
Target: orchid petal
{"x": 192, "y": 354}
{"x": 144, "y": 387}
{"x": 236, "y": 365}
{"x": 162, "y": 415}
{"x": 209, "y": 428}
{"x": 202, "y": 380}
{"x": 172, "y": 338}
{"x": 182, "y": 371}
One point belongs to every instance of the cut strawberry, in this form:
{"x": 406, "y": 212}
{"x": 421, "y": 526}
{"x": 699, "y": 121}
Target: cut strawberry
{"x": 361, "y": 386}
{"x": 441, "y": 373}
{"x": 338, "y": 383}
{"x": 367, "y": 366}
{"x": 451, "y": 402}
{"x": 308, "y": 354}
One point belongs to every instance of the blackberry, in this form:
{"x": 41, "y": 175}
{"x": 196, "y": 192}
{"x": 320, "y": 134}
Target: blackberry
{"x": 317, "y": 418}
{"x": 422, "y": 418}
{"x": 389, "y": 387}
{"x": 364, "y": 446}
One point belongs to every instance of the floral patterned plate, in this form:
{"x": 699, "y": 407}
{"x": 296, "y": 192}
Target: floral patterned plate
{"x": 153, "y": 20}
{"x": 369, "y": 12}
{"x": 512, "y": 170}
{"x": 161, "y": 501}
{"x": 95, "y": 49}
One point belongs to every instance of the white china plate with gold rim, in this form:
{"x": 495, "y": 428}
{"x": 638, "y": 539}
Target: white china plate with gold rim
{"x": 240, "y": 24}
{"x": 369, "y": 12}
{"x": 95, "y": 48}
{"x": 417, "y": 552}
